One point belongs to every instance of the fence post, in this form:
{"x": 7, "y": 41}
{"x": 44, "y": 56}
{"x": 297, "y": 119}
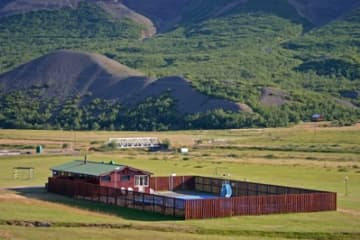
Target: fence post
{"x": 174, "y": 207}
{"x": 143, "y": 201}
{"x": 107, "y": 195}
{"x": 99, "y": 193}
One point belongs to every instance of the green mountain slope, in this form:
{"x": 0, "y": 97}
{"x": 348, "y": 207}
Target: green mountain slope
{"x": 331, "y": 55}
{"x": 29, "y": 35}
{"x": 244, "y": 51}
{"x": 86, "y": 21}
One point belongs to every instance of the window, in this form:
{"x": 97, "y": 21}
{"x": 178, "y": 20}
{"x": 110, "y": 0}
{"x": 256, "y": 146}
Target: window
{"x": 142, "y": 180}
{"x": 106, "y": 178}
{"x": 124, "y": 178}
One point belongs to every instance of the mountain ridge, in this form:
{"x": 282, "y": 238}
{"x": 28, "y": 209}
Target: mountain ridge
{"x": 115, "y": 9}
{"x": 162, "y": 15}
{"x": 64, "y": 74}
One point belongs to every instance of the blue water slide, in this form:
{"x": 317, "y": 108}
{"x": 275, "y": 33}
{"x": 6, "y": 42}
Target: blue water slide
{"x": 226, "y": 190}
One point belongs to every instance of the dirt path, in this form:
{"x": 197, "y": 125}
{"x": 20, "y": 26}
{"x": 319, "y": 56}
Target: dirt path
{"x": 351, "y": 212}
{"x": 8, "y": 196}
{"x": 29, "y": 142}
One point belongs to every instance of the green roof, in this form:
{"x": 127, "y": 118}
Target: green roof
{"x": 88, "y": 168}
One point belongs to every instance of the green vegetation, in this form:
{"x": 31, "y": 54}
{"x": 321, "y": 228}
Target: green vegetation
{"x": 332, "y": 67}
{"x": 330, "y": 52}
{"x": 28, "y": 35}
{"x": 259, "y": 45}
{"x": 76, "y": 219}
{"x": 28, "y": 110}
{"x": 87, "y": 21}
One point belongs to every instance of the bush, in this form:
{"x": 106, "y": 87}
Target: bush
{"x": 111, "y": 146}
{"x": 166, "y": 143}
{"x": 65, "y": 145}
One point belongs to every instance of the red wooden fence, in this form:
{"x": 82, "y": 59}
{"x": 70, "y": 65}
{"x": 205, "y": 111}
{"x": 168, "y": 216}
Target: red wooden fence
{"x": 248, "y": 198}
{"x": 171, "y": 183}
{"x": 259, "y": 205}
{"x": 114, "y": 196}
{"x": 245, "y": 188}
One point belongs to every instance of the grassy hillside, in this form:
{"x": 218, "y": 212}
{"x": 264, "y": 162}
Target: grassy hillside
{"x": 34, "y": 33}
{"x": 331, "y": 54}
{"x": 87, "y": 21}
{"x": 233, "y": 54}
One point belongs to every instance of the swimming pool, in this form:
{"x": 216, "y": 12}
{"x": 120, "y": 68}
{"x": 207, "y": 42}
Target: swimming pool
{"x": 187, "y": 195}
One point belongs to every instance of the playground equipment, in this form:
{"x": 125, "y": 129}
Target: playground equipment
{"x": 136, "y": 142}
{"x": 226, "y": 190}
{"x": 23, "y": 172}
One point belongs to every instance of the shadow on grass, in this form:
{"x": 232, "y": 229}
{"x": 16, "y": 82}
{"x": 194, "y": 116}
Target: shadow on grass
{"x": 40, "y": 193}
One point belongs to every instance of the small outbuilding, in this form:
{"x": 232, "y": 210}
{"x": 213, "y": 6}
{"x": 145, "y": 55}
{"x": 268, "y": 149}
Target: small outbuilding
{"x": 317, "y": 117}
{"x": 39, "y": 149}
{"x": 184, "y": 150}
{"x": 107, "y": 174}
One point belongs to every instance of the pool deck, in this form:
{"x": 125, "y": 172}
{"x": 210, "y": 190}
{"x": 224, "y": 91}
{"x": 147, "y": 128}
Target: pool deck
{"x": 187, "y": 195}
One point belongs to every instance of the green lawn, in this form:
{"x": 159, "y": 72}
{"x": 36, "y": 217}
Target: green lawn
{"x": 319, "y": 170}
{"x": 7, "y": 232}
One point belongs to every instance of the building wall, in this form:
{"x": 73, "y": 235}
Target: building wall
{"x": 117, "y": 180}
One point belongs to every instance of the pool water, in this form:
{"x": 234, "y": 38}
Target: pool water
{"x": 187, "y": 195}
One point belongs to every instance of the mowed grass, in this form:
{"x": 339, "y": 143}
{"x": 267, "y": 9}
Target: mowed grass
{"x": 318, "y": 170}
{"x": 297, "y": 175}
{"x": 345, "y": 138}
{"x": 19, "y": 233}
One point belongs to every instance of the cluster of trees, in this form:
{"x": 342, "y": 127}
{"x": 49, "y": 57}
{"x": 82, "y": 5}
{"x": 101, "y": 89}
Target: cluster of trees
{"x": 86, "y": 21}
{"x": 333, "y": 68}
{"x": 29, "y": 110}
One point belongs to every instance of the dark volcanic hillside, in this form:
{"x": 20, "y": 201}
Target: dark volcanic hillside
{"x": 321, "y": 12}
{"x": 114, "y": 8}
{"x": 68, "y": 73}
{"x": 167, "y": 14}
{"x": 65, "y": 74}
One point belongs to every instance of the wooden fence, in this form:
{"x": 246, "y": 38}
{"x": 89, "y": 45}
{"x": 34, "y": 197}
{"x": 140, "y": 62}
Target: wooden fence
{"x": 114, "y": 196}
{"x": 248, "y": 198}
{"x": 259, "y": 205}
{"x": 245, "y": 188}
{"x": 172, "y": 183}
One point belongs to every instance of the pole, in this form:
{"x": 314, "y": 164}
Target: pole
{"x": 346, "y": 180}
{"x": 74, "y": 140}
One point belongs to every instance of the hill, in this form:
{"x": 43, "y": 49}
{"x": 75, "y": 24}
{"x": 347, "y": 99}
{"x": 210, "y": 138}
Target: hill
{"x": 321, "y": 12}
{"x": 66, "y": 74}
{"x": 285, "y": 60}
{"x": 117, "y": 10}
{"x": 166, "y": 14}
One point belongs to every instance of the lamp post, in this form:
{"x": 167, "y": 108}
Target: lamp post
{"x": 346, "y": 180}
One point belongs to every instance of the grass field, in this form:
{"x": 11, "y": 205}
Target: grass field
{"x": 303, "y": 156}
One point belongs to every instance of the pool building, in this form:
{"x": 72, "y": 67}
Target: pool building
{"x": 186, "y": 197}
